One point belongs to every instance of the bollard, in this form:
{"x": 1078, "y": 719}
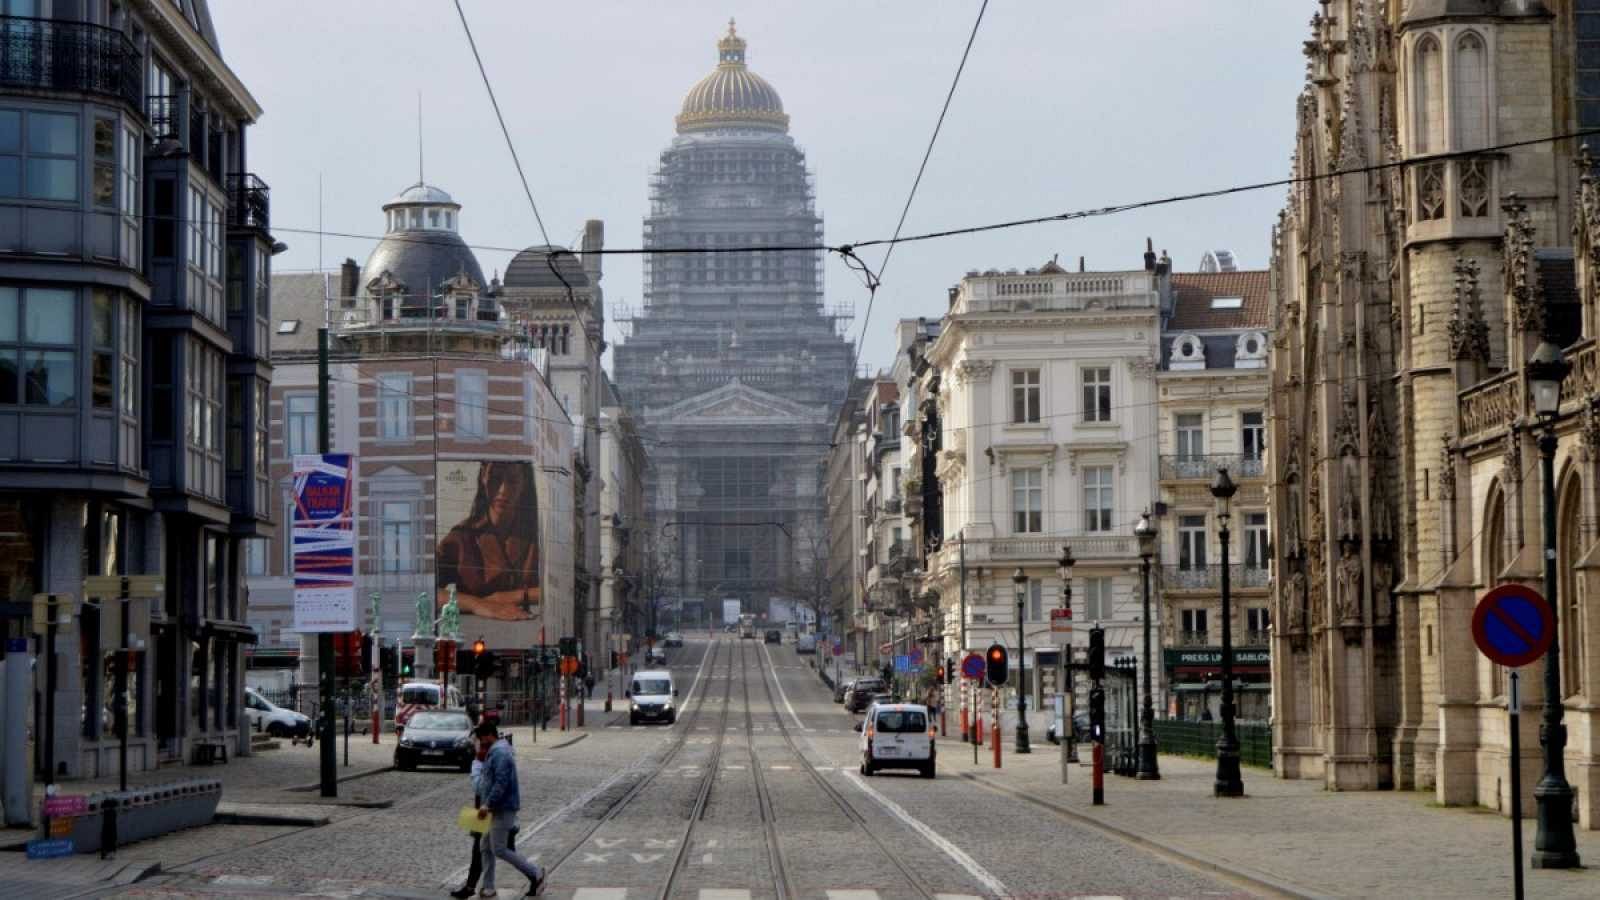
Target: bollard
{"x": 977, "y": 732}
{"x": 994, "y": 738}
{"x": 608, "y": 699}
{"x": 1099, "y": 774}
{"x": 964, "y": 735}
{"x": 108, "y": 828}
{"x": 942, "y": 731}
{"x": 580, "y": 710}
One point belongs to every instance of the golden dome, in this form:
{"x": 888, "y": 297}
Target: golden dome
{"x": 732, "y": 95}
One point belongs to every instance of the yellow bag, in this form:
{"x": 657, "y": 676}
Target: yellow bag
{"x": 469, "y": 822}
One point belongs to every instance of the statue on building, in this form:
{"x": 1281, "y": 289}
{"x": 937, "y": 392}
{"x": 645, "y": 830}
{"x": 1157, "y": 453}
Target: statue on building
{"x": 450, "y": 617}
{"x": 1349, "y": 574}
{"x": 1296, "y": 601}
{"x": 1382, "y": 599}
{"x": 424, "y": 626}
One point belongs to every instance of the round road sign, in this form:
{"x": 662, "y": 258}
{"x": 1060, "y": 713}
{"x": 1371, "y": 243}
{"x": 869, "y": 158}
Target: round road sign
{"x": 972, "y": 666}
{"x": 1513, "y": 625}
{"x": 838, "y": 648}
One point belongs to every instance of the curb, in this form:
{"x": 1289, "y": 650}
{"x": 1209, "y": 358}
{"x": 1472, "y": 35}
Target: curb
{"x": 226, "y": 818}
{"x": 1254, "y": 879}
{"x": 317, "y": 785}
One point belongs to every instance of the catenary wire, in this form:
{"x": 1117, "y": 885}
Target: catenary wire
{"x": 874, "y": 280}
{"x": 502, "y": 120}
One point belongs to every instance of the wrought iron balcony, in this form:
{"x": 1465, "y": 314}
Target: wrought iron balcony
{"x": 69, "y": 56}
{"x": 1203, "y": 467}
{"x": 165, "y": 113}
{"x": 1256, "y": 638}
{"x": 1194, "y": 639}
{"x": 891, "y": 506}
{"x": 249, "y": 201}
{"x": 1200, "y": 578}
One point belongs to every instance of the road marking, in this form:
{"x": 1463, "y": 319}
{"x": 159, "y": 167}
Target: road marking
{"x": 994, "y": 885}
{"x": 960, "y": 897}
{"x": 642, "y": 858}
{"x": 600, "y": 894}
{"x": 713, "y": 894}
{"x": 594, "y": 858}
{"x": 782, "y": 694}
{"x": 242, "y": 880}
{"x": 608, "y": 843}
{"x": 740, "y": 768}
{"x": 783, "y": 768}
{"x": 852, "y": 895}
{"x": 705, "y": 860}
{"x": 824, "y": 768}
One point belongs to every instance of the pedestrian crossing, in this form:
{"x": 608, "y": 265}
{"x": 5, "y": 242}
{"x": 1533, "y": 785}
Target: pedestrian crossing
{"x": 733, "y": 894}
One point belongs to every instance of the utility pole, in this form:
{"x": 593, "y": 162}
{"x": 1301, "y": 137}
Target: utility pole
{"x": 330, "y": 757}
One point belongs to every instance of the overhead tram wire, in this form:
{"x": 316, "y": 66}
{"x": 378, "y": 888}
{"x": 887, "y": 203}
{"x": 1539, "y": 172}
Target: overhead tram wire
{"x": 484, "y": 73}
{"x": 876, "y": 279}
{"x": 847, "y": 250}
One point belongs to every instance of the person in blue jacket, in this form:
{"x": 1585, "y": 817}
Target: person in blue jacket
{"x": 500, "y": 799}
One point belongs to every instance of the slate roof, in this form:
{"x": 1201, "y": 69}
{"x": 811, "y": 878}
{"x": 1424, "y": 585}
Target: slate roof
{"x": 421, "y": 260}
{"x": 529, "y": 269}
{"x": 296, "y": 297}
{"x": 1194, "y": 291}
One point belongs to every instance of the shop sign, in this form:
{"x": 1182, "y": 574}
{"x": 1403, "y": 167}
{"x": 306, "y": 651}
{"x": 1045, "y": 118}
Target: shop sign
{"x": 1212, "y": 656}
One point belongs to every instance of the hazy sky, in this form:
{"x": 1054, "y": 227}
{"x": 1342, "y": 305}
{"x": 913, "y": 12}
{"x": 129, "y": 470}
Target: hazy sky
{"x": 1065, "y": 104}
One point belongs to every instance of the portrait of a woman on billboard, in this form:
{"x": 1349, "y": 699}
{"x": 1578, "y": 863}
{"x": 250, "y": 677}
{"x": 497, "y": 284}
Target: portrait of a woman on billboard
{"x": 492, "y": 555}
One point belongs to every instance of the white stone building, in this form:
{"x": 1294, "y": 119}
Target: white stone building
{"x": 1033, "y": 422}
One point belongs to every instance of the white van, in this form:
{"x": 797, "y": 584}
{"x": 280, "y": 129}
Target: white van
{"x": 415, "y": 696}
{"x": 651, "y": 697}
{"x": 897, "y": 736}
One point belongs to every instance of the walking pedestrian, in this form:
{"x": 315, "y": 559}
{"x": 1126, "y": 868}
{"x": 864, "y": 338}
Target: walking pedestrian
{"x": 475, "y": 868}
{"x": 588, "y": 682}
{"x": 500, "y": 799}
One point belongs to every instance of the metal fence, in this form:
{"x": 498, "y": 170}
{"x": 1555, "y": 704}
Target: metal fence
{"x": 1200, "y": 739}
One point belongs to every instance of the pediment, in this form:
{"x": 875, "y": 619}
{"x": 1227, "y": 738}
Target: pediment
{"x": 734, "y": 404}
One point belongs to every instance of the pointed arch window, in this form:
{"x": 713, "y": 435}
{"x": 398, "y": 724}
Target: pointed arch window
{"x": 1497, "y": 553}
{"x": 1470, "y": 82}
{"x": 1430, "y": 96}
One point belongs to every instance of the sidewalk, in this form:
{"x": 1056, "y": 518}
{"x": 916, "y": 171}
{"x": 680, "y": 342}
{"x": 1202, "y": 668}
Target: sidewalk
{"x": 1291, "y": 837}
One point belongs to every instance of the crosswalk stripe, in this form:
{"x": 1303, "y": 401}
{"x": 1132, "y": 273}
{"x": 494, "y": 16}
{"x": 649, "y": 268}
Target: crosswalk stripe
{"x": 723, "y": 894}
{"x": 852, "y": 895}
{"x": 600, "y": 894}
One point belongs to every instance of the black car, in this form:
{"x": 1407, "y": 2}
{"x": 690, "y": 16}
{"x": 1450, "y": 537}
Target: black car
{"x": 861, "y": 693}
{"x": 436, "y": 737}
{"x": 773, "y": 636}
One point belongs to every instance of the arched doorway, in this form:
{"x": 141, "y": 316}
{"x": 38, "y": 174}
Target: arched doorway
{"x": 1570, "y": 545}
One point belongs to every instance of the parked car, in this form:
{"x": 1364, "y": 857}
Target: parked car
{"x": 651, "y": 697}
{"x": 807, "y": 643}
{"x": 842, "y": 687}
{"x": 655, "y": 656}
{"x": 897, "y": 736}
{"x": 861, "y": 693}
{"x": 773, "y": 636}
{"x": 673, "y": 639}
{"x": 264, "y": 715}
{"x": 436, "y": 738}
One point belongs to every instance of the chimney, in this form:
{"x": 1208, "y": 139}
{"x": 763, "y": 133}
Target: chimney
{"x": 954, "y": 292}
{"x": 594, "y": 238}
{"x": 1149, "y": 255}
{"x": 349, "y": 276}
{"x": 1081, "y": 265}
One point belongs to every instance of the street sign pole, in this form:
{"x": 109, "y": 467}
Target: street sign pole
{"x": 1514, "y": 708}
{"x": 328, "y": 759}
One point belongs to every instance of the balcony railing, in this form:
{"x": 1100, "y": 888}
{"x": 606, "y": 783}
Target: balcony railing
{"x": 69, "y": 56}
{"x": 891, "y": 506}
{"x": 1199, "y": 578}
{"x": 1256, "y": 638}
{"x": 249, "y": 201}
{"x": 1194, "y": 639}
{"x": 165, "y": 112}
{"x": 1203, "y": 467}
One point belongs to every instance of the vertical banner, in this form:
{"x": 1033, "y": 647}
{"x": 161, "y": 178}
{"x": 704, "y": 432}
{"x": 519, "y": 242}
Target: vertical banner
{"x": 324, "y": 543}
{"x": 490, "y": 551}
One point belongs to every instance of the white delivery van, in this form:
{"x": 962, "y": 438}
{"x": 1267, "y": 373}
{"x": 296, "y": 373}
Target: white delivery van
{"x": 416, "y": 696}
{"x": 897, "y": 736}
{"x": 651, "y": 697}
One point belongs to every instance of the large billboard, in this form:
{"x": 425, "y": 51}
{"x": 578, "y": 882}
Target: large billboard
{"x": 505, "y": 536}
{"x": 324, "y": 543}
{"x": 490, "y": 549}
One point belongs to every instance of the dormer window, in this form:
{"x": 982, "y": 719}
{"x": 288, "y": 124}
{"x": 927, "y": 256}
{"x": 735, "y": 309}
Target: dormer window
{"x": 1188, "y": 352}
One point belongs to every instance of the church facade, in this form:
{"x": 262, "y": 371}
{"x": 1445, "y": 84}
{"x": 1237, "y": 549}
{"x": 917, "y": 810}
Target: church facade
{"x": 1418, "y": 263}
{"x": 734, "y": 366}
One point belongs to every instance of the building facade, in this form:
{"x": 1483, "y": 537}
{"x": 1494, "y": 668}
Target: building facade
{"x": 466, "y": 461}
{"x": 1405, "y": 475}
{"x": 623, "y": 464}
{"x": 1030, "y": 413}
{"x": 1212, "y": 409}
{"x": 842, "y": 467}
{"x": 734, "y": 367}
{"x": 134, "y": 260}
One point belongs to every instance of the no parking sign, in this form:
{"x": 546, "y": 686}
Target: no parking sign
{"x": 1513, "y": 625}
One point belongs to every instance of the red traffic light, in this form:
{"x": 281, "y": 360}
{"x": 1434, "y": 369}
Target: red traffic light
{"x": 998, "y": 664}
{"x": 477, "y": 646}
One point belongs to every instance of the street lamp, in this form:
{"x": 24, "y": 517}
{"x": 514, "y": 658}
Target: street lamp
{"x": 1021, "y": 581}
{"x": 1229, "y": 783}
{"x": 1554, "y": 846}
{"x": 1069, "y": 747}
{"x": 1149, "y": 769}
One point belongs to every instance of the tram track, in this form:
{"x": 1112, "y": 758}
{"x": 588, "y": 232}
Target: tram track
{"x": 830, "y": 791}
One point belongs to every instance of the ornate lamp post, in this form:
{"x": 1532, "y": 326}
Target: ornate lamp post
{"x": 1228, "y": 783}
{"x": 1021, "y": 581}
{"x": 1149, "y": 769}
{"x": 1553, "y": 846}
{"x": 1069, "y": 748}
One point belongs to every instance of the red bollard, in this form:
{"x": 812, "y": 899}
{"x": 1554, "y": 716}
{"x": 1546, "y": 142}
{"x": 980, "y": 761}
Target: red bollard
{"x": 1099, "y": 774}
{"x": 964, "y": 732}
{"x": 994, "y": 737}
{"x": 942, "y": 731}
{"x": 608, "y": 699}
{"x": 978, "y": 731}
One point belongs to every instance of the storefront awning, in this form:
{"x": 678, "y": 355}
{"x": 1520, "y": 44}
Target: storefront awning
{"x": 242, "y": 634}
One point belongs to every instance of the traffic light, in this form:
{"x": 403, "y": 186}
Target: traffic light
{"x": 999, "y": 664}
{"x": 477, "y": 647}
{"x": 388, "y": 660}
{"x": 1097, "y": 714}
{"x": 569, "y": 646}
{"x": 613, "y": 659}
{"x": 405, "y": 667}
{"x": 1097, "y": 654}
{"x": 484, "y": 663}
{"x": 949, "y": 670}
{"x": 366, "y": 654}
{"x": 941, "y": 676}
